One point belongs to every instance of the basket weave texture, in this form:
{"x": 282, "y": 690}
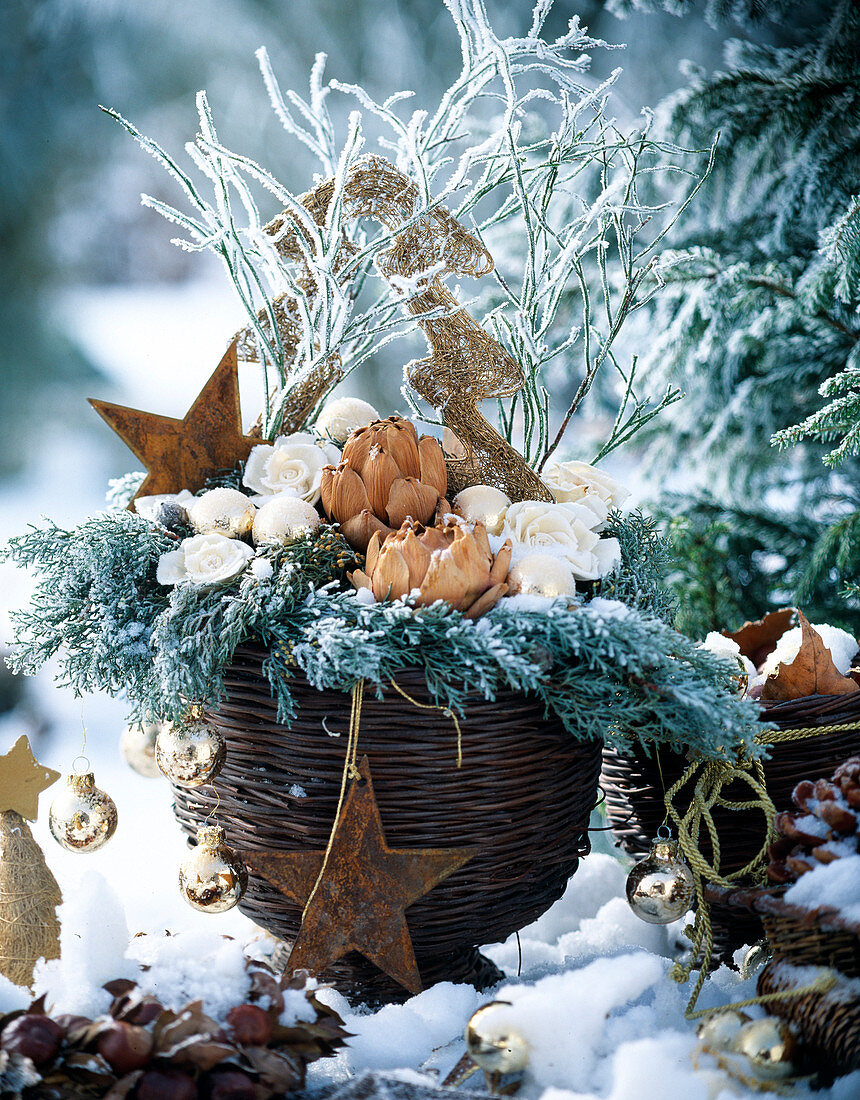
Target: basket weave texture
{"x": 523, "y": 796}
{"x": 634, "y": 796}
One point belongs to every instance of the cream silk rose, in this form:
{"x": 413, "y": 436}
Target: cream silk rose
{"x": 204, "y": 559}
{"x": 564, "y": 530}
{"x": 292, "y": 464}
{"x": 577, "y": 482}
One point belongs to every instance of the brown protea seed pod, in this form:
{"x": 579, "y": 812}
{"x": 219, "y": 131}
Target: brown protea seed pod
{"x": 453, "y": 563}
{"x": 34, "y": 1036}
{"x": 387, "y": 475}
{"x": 250, "y": 1025}
{"x": 125, "y": 1047}
{"x": 166, "y": 1084}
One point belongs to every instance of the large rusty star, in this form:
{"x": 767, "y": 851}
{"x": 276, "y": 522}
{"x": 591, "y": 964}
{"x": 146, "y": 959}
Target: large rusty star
{"x": 359, "y": 902}
{"x": 182, "y": 454}
{"x": 22, "y": 780}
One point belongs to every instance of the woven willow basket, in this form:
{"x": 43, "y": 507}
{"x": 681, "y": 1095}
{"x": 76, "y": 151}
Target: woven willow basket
{"x": 828, "y": 1023}
{"x": 523, "y": 796}
{"x": 634, "y": 796}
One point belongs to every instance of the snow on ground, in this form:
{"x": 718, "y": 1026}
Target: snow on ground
{"x": 594, "y": 1001}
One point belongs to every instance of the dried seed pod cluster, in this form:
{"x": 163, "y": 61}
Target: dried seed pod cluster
{"x": 142, "y": 1049}
{"x": 453, "y": 563}
{"x": 387, "y": 475}
{"x": 823, "y": 828}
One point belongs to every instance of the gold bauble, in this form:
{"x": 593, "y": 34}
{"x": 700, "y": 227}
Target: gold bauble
{"x": 483, "y": 504}
{"x": 660, "y": 887}
{"x": 492, "y": 1043}
{"x": 82, "y": 817}
{"x": 190, "y": 753}
{"x": 213, "y": 879}
{"x": 137, "y": 745}
{"x": 541, "y": 575}
{"x": 770, "y": 1046}
{"x": 718, "y": 1031}
{"x": 223, "y": 512}
{"x": 284, "y": 519}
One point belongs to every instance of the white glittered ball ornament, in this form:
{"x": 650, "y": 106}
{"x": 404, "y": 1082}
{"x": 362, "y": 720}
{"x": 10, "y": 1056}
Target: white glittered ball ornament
{"x": 223, "y": 512}
{"x": 483, "y": 504}
{"x": 284, "y": 519}
{"x": 341, "y": 417}
{"x": 541, "y": 575}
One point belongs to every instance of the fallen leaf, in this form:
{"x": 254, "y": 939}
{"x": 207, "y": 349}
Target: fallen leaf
{"x": 757, "y": 640}
{"x": 812, "y": 672}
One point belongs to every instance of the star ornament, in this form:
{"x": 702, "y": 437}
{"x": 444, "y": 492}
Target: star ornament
{"x": 360, "y": 900}
{"x": 182, "y": 454}
{"x": 22, "y": 780}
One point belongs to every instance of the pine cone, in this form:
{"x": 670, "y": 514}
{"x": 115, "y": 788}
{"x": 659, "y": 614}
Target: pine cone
{"x": 141, "y": 1048}
{"x": 825, "y": 826}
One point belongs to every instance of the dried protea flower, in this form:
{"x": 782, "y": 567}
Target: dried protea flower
{"x": 387, "y": 475}
{"x": 453, "y": 563}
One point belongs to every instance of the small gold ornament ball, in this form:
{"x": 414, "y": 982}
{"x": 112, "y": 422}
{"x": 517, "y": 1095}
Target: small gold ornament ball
{"x": 224, "y": 512}
{"x": 137, "y": 745}
{"x": 284, "y": 519}
{"x": 541, "y": 575}
{"x": 660, "y": 887}
{"x": 214, "y": 879}
{"x": 190, "y": 753}
{"x": 719, "y": 1030}
{"x": 493, "y": 1043}
{"x": 770, "y": 1045}
{"x": 82, "y": 817}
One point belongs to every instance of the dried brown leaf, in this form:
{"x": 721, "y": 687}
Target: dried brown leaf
{"x": 758, "y": 639}
{"x": 812, "y": 672}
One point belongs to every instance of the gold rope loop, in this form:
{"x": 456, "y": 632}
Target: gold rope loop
{"x": 711, "y": 776}
{"x": 435, "y": 706}
{"x": 822, "y": 984}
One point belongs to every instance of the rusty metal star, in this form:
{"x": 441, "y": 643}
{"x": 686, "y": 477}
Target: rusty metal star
{"x": 358, "y": 903}
{"x": 22, "y": 780}
{"x": 182, "y": 454}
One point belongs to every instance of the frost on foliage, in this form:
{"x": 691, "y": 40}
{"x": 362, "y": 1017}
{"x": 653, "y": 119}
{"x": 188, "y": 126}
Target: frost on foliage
{"x": 549, "y": 181}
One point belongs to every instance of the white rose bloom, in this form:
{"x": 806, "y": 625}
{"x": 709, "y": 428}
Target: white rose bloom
{"x": 292, "y": 464}
{"x": 340, "y": 418}
{"x": 565, "y": 530}
{"x": 204, "y": 559}
{"x": 577, "y": 481}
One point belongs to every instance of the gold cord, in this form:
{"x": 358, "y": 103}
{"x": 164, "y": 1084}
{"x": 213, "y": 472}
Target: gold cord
{"x": 435, "y": 706}
{"x": 350, "y": 771}
{"x": 712, "y": 777}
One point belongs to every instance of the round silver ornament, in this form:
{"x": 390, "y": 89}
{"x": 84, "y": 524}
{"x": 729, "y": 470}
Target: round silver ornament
{"x": 493, "y": 1043}
{"x": 719, "y": 1030}
{"x": 137, "y": 745}
{"x": 82, "y": 817}
{"x": 190, "y": 753}
{"x": 770, "y": 1045}
{"x": 284, "y": 519}
{"x": 660, "y": 887}
{"x": 213, "y": 879}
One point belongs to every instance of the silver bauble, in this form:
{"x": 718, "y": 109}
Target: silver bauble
{"x": 718, "y": 1031}
{"x": 284, "y": 519}
{"x": 137, "y": 745}
{"x": 770, "y": 1046}
{"x": 190, "y": 753}
{"x": 660, "y": 887}
{"x": 213, "y": 879}
{"x": 82, "y": 818}
{"x": 492, "y": 1043}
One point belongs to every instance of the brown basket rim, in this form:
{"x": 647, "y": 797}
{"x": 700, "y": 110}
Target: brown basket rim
{"x": 770, "y": 900}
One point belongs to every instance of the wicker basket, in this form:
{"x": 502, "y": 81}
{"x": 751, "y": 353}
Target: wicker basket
{"x": 634, "y": 796}
{"x": 828, "y": 1023}
{"x": 523, "y": 796}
